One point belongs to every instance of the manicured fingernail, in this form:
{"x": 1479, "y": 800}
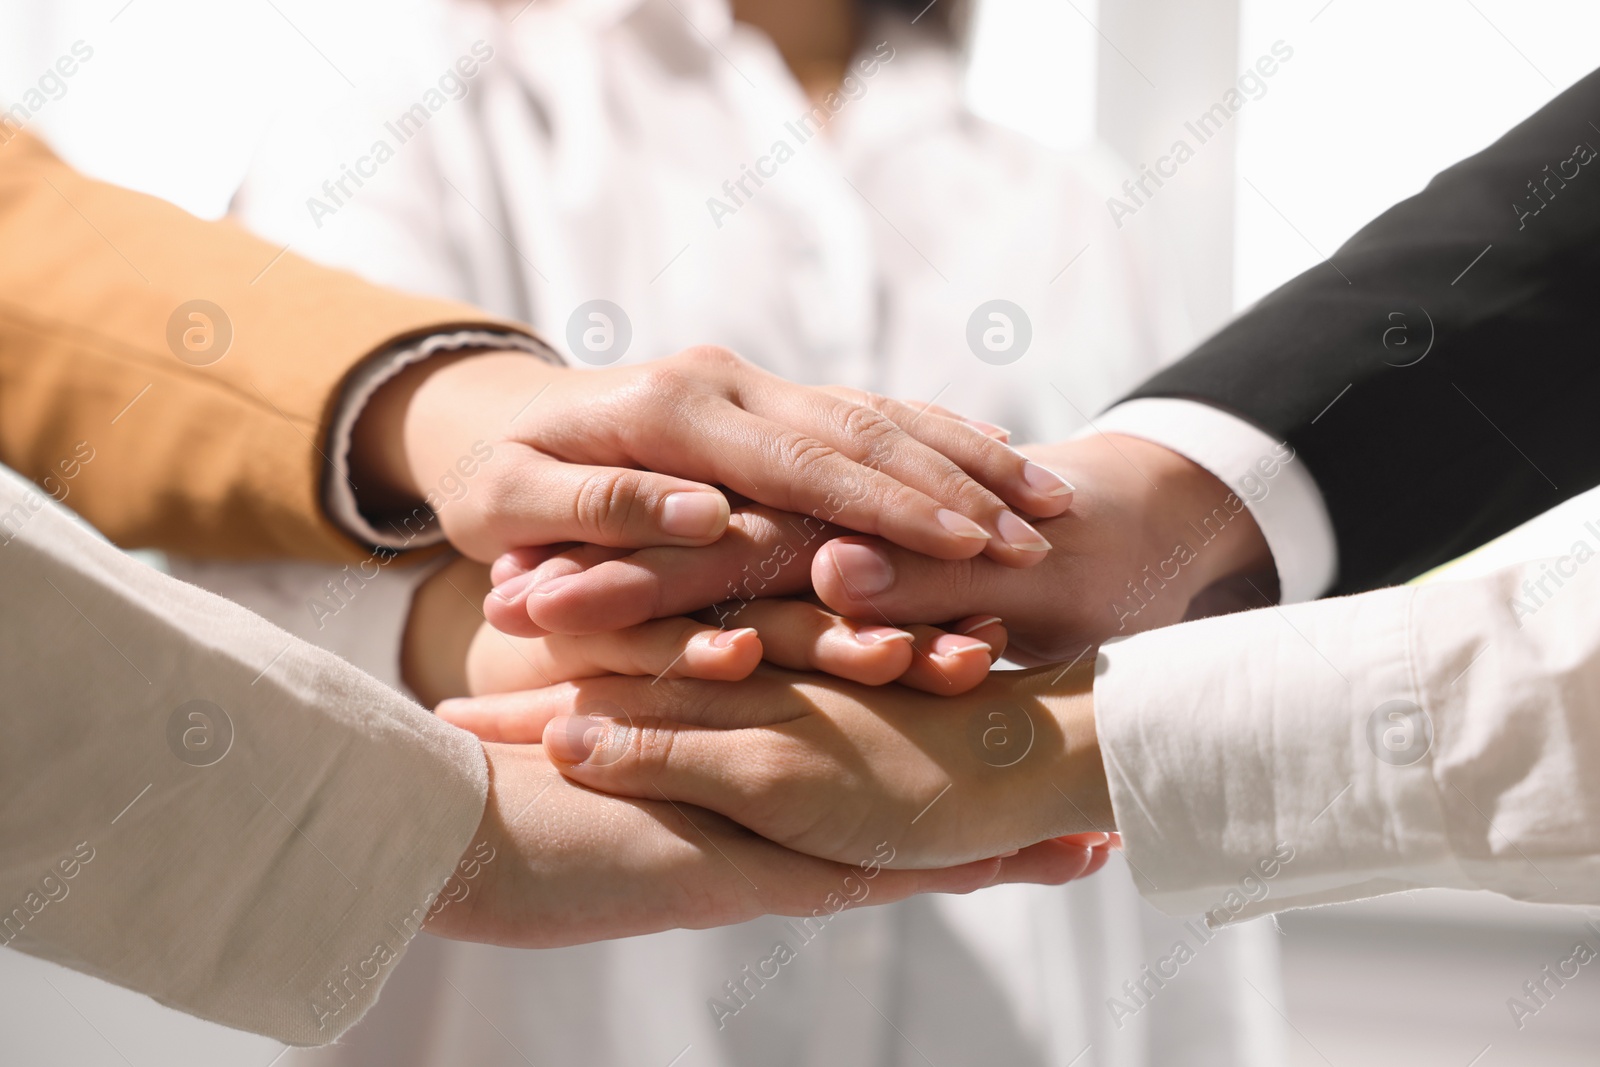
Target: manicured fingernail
{"x": 877, "y": 635}
{"x": 726, "y": 638}
{"x": 1113, "y": 840}
{"x": 512, "y": 588}
{"x": 696, "y": 515}
{"x": 864, "y": 570}
{"x": 572, "y": 738}
{"x": 554, "y": 585}
{"x": 961, "y": 526}
{"x": 1091, "y": 839}
{"x": 1019, "y": 535}
{"x": 1008, "y": 855}
{"x": 987, "y": 620}
{"x": 1045, "y": 481}
{"x": 953, "y": 645}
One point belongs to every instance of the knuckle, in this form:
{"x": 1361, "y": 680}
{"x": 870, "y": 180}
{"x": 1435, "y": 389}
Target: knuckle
{"x": 798, "y": 451}
{"x": 870, "y": 426}
{"x": 712, "y": 358}
{"x": 649, "y": 745}
{"x": 605, "y": 504}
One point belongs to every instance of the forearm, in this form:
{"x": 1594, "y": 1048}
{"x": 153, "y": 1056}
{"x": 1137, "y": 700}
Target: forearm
{"x": 208, "y": 435}
{"x": 1385, "y": 367}
{"x": 202, "y": 808}
{"x": 1432, "y": 736}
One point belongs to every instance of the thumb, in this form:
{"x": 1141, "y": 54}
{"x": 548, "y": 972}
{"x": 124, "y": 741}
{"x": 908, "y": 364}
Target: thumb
{"x": 867, "y": 578}
{"x": 652, "y": 758}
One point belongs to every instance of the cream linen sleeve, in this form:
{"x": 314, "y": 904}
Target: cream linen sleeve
{"x": 200, "y": 807}
{"x": 1441, "y": 735}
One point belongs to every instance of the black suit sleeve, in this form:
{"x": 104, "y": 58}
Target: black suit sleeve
{"x": 1496, "y": 266}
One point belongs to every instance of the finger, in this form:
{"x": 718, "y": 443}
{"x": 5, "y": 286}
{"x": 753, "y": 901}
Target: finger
{"x": 506, "y": 605}
{"x": 521, "y": 561}
{"x": 764, "y": 553}
{"x": 1013, "y": 477}
{"x": 1097, "y": 859}
{"x": 946, "y": 664}
{"x": 990, "y": 629}
{"x": 800, "y": 472}
{"x": 868, "y": 578}
{"x": 663, "y": 648}
{"x": 883, "y": 480}
{"x": 536, "y": 500}
{"x": 766, "y": 698}
{"x": 804, "y": 637}
{"x": 1052, "y": 862}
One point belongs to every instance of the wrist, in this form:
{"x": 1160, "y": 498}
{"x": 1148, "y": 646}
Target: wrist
{"x": 1078, "y": 775}
{"x": 1195, "y": 531}
{"x": 414, "y": 416}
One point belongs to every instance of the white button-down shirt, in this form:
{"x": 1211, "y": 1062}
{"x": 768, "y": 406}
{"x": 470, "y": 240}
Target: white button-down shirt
{"x": 604, "y": 151}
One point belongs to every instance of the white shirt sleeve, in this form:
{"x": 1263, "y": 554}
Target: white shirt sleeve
{"x": 1444, "y": 735}
{"x": 339, "y": 498}
{"x": 200, "y": 807}
{"x": 1281, "y": 492}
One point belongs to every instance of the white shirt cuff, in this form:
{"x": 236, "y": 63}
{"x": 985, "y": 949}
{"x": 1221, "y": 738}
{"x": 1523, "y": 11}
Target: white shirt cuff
{"x": 1244, "y": 784}
{"x": 338, "y": 496}
{"x": 1274, "y": 483}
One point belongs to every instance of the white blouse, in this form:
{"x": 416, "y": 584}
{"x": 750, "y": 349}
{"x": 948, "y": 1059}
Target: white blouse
{"x": 629, "y": 152}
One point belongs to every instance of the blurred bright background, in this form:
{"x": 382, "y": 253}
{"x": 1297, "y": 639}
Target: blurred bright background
{"x": 1377, "y": 97}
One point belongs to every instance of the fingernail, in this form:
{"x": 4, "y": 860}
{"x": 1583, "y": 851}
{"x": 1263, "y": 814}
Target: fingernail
{"x": 726, "y": 638}
{"x": 1113, "y": 840}
{"x": 953, "y": 645}
{"x": 877, "y": 635}
{"x": 506, "y": 568}
{"x": 512, "y": 588}
{"x": 864, "y": 570}
{"x": 987, "y": 620}
{"x": 1045, "y": 481}
{"x": 695, "y": 515}
{"x": 961, "y": 526}
{"x": 1019, "y": 535}
{"x": 1092, "y": 839}
{"x": 554, "y": 585}
{"x": 1008, "y": 855}
{"x": 572, "y": 739}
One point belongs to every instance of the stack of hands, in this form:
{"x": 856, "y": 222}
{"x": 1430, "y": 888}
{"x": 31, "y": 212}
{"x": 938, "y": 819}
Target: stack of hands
{"x": 735, "y": 643}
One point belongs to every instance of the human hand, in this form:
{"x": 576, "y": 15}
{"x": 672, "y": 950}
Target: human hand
{"x": 1115, "y": 568}
{"x": 785, "y": 633}
{"x": 1149, "y": 533}
{"x": 518, "y": 452}
{"x": 828, "y": 767}
{"x": 557, "y": 864}
{"x": 449, "y": 651}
